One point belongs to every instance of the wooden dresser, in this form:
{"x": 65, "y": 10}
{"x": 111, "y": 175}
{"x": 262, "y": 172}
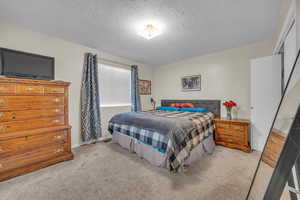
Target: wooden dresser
{"x": 233, "y": 133}
{"x": 273, "y": 148}
{"x": 34, "y": 125}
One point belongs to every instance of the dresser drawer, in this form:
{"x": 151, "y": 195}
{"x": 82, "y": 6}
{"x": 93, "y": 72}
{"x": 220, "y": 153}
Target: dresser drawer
{"x": 30, "y": 89}
{"x": 17, "y": 145}
{"x": 7, "y": 88}
{"x": 29, "y": 102}
{"x": 33, "y": 156}
{"x": 6, "y": 127}
{"x": 54, "y": 90}
{"x": 29, "y": 114}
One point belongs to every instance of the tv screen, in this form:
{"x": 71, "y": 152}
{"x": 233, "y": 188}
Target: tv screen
{"x": 26, "y": 65}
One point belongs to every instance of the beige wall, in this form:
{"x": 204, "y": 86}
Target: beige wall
{"x": 225, "y": 75}
{"x": 68, "y": 67}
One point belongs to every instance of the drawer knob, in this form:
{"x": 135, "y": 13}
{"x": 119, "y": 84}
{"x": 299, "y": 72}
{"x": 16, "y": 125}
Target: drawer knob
{"x": 56, "y": 121}
{"x": 56, "y": 110}
{"x": 1, "y": 166}
{"x": 1, "y": 114}
{"x": 2, "y": 101}
{"x": 58, "y": 150}
{"x": 29, "y": 89}
{"x": 56, "y": 100}
{"x": 2, "y": 128}
{"x": 1, "y": 149}
{"x": 58, "y": 137}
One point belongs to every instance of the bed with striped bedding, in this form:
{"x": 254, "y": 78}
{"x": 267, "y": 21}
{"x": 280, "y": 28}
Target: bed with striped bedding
{"x": 175, "y": 133}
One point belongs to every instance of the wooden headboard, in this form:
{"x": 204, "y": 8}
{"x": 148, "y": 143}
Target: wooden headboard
{"x": 213, "y": 106}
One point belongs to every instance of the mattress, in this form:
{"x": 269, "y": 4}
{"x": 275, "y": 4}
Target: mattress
{"x": 160, "y": 159}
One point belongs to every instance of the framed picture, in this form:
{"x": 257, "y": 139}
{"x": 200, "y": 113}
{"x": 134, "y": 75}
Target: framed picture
{"x": 145, "y": 87}
{"x": 191, "y": 83}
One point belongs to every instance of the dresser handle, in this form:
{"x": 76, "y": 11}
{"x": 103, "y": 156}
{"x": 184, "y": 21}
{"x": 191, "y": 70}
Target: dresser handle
{"x": 56, "y": 121}
{"x": 58, "y": 137}
{"x": 2, "y": 101}
{"x": 58, "y": 150}
{"x": 2, "y": 128}
{"x": 56, "y": 110}
{"x": 56, "y": 100}
{"x": 29, "y": 89}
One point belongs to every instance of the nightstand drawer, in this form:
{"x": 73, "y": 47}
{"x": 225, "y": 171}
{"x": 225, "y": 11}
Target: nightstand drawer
{"x": 236, "y": 127}
{"x": 231, "y": 132}
{"x": 222, "y": 126}
{"x": 232, "y": 139}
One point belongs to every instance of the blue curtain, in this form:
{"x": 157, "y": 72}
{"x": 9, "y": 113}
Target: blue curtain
{"x": 90, "y": 103}
{"x": 135, "y": 96}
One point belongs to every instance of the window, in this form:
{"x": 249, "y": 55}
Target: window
{"x": 114, "y": 86}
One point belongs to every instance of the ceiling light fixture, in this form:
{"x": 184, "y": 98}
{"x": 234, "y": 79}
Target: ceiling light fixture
{"x": 149, "y": 31}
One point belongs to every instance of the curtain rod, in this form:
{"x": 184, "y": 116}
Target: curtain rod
{"x": 113, "y": 62}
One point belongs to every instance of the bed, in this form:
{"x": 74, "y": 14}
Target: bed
{"x": 168, "y": 139}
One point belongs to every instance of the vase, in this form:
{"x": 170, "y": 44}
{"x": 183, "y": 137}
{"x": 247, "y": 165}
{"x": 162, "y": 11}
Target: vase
{"x": 229, "y": 116}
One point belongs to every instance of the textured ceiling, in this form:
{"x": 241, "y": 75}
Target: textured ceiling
{"x": 192, "y": 27}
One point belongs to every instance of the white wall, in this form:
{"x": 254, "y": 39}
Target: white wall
{"x": 225, "y": 75}
{"x": 69, "y": 59}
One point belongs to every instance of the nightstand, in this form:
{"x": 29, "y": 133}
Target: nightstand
{"x": 233, "y": 133}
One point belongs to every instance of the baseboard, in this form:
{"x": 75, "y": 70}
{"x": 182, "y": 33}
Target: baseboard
{"x": 102, "y": 139}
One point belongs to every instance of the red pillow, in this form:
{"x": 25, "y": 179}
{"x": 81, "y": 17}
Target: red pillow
{"x": 187, "y": 105}
{"x": 183, "y": 105}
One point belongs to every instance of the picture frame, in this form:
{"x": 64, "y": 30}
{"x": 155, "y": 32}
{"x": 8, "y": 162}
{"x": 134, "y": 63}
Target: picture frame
{"x": 145, "y": 87}
{"x": 191, "y": 83}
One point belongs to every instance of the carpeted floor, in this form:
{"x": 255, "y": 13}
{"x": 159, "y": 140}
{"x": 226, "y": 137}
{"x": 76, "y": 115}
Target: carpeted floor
{"x": 106, "y": 171}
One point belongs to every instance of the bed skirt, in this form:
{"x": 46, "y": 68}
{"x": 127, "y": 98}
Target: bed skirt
{"x": 157, "y": 158}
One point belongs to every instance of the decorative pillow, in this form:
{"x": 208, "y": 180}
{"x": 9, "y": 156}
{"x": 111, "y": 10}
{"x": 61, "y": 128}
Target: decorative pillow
{"x": 167, "y": 108}
{"x": 203, "y": 110}
{"x": 187, "y": 105}
{"x": 183, "y": 105}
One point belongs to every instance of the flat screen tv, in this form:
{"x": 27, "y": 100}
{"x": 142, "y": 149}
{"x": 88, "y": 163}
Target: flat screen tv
{"x": 26, "y": 65}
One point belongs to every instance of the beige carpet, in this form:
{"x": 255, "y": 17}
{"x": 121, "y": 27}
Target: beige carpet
{"x": 106, "y": 171}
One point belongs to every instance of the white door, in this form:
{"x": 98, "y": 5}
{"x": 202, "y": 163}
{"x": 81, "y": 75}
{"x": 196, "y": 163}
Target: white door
{"x": 265, "y": 97}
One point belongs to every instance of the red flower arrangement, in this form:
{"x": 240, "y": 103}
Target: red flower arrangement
{"x": 229, "y": 104}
